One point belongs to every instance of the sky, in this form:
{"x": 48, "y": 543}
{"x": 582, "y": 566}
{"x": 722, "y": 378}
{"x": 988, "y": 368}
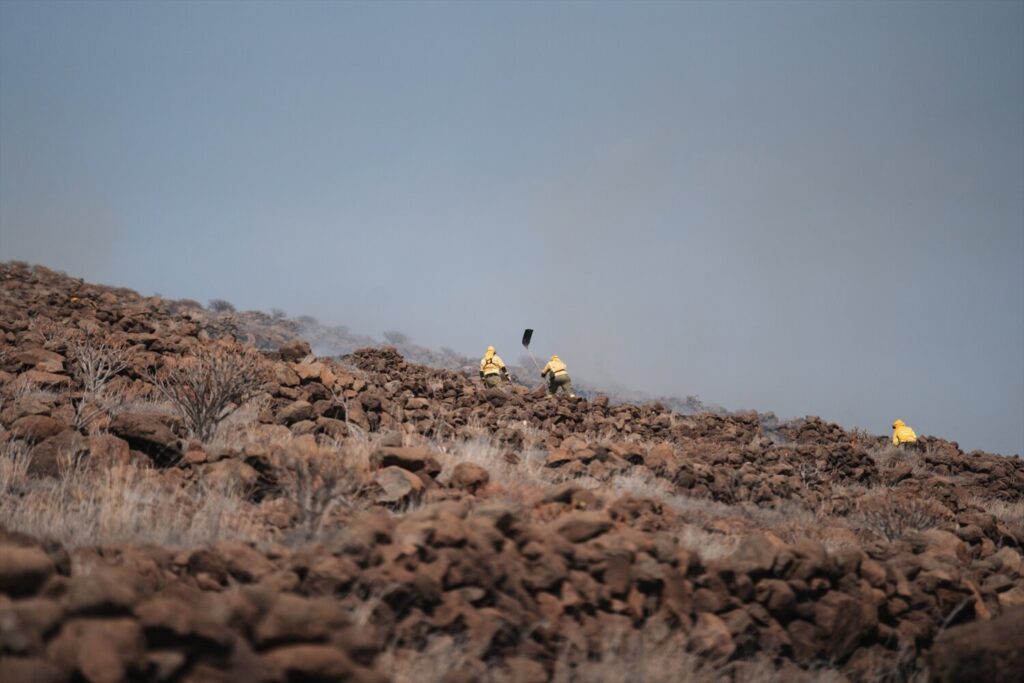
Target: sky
{"x": 799, "y": 207}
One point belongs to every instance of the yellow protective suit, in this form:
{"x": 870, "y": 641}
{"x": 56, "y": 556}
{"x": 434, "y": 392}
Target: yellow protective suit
{"x": 554, "y": 366}
{"x": 558, "y": 377}
{"x": 902, "y": 433}
{"x": 492, "y": 368}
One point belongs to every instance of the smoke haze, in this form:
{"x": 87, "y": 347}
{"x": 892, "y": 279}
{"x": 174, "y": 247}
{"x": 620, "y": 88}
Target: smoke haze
{"x": 808, "y": 208}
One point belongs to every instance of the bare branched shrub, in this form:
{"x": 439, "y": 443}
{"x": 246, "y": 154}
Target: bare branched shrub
{"x": 396, "y": 338}
{"x": 51, "y": 333}
{"x": 893, "y": 515}
{"x": 221, "y": 306}
{"x": 207, "y": 387}
{"x": 95, "y": 362}
{"x": 317, "y": 485}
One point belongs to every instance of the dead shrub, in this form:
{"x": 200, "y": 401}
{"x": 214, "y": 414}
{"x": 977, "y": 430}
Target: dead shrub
{"x": 893, "y": 515}
{"x": 317, "y": 485}
{"x": 207, "y": 387}
{"x": 94, "y": 362}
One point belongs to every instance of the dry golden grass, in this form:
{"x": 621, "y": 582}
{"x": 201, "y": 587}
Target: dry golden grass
{"x": 91, "y": 506}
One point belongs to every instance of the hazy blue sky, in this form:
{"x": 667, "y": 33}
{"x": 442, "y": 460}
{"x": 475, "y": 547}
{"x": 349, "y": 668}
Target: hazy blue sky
{"x": 811, "y": 208}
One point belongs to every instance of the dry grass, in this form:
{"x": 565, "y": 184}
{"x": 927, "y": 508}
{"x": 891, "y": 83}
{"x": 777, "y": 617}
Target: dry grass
{"x": 520, "y": 479}
{"x": 1009, "y": 513}
{"x": 88, "y": 506}
{"x": 893, "y": 515}
{"x": 640, "y": 656}
{"x": 15, "y": 459}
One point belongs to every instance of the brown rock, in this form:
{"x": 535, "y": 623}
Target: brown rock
{"x": 107, "y": 450}
{"x": 294, "y": 351}
{"x": 47, "y": 380}
{"x": 243, "y": 563}
{"x": 294, "y": 619}
{"x": 102, "y": 591}
{"x": 413, "y": 459}
{"x": 579, "y": 526}
{"x": 35, "y": 428}
{"x": 317, "y": 663}
{"x": 29, "y": 670}
{"x": 23, "y": 569}
{"x": 839, "y": 616}
{"x": 711, "y": 637}
{"x": 150, "y": 433}
{"x": 25, "y": 624}
{"x": 469, "y": 476}
{"x": 990, "y": 651}
{"x": 295, "y": 412}
{"x": 99, "y": 650}
{"x": 41, "y": 359}
{"x": 398, "y": 485}
{"x": 756, "y": 554}
{"x": 230, "y": 475}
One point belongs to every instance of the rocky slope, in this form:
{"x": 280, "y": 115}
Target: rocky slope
{"x": 371, "y": 519}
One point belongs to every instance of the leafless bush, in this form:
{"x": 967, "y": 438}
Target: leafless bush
{"x": 317, "y": 485}
{"x": 52, "y": 333}
{"x": 207, "y": 387}
{"x": 892, "y": 515}
{"x": 221, "y": 306}
{"x": 94, "y": 362}
{"x": 396, "y": 338}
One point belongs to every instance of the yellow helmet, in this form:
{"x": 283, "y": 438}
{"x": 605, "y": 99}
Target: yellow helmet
{"x": 555, "y": 357}
{"x": 490, "y": 352}
{"x": 897, "y": 424}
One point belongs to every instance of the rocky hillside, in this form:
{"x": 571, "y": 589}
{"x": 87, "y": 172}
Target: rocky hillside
{"x": 179, "y": 505}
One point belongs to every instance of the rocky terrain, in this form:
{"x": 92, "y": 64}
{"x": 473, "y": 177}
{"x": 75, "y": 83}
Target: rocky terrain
{"x": 180, "y": 503}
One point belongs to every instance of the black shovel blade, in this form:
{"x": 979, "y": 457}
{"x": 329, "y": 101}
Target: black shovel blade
{"x": 527, "y": 336}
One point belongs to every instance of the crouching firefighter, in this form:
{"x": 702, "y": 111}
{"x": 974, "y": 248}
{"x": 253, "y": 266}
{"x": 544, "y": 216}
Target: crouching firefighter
{"x": 492, "y": 368}
{"x": 558, "y": 377}
{"x": 904, "y": 437}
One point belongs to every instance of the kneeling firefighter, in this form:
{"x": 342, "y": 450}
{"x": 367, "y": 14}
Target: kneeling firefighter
{"x": 557, "y": 376}
{"x": 492, "y": 368}
{"x": 903, "y": 436}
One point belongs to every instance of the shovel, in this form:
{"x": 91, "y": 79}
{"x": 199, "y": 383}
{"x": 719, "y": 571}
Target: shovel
{"x": 527, "y": 336}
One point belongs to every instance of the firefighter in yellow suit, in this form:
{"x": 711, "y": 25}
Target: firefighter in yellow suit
{"x": 903, "y": 436}
{"x": 557, "y": 376}
{"x": 492, "y": 368}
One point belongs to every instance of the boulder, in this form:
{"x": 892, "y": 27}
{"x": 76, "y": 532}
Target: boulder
{"x": 295, "y": 412}
{"x": 990, "y": 651}
{"x": 840, "y": 618}
{"x": 398, "y": 485}
{"x": 413, "y": 459}
{"x": 149, "y": 433}
{"x": 711, "y": 637}
{"x": 98, "y": 650}
{"x": 23, "y": 569}
{"x": 30, "y": 670}
{"x": 317, "y": 663}
{"x": 35, "y": 428}
{"x": 579, "y": 526}
{"x": 294, "y": 351}
{"x": 41, "y": 359}
{"x": 469, "y": 477}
